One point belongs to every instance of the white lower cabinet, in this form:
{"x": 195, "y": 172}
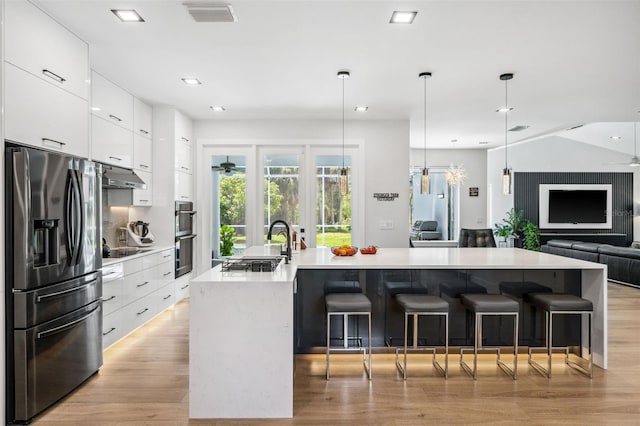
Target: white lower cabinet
{"x": 134, "y": 291}
{"x": 181, "y": 287}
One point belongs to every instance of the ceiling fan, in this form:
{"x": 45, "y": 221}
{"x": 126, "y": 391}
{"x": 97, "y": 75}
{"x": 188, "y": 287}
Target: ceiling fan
{"x": 227, "y": 167}
{"x": 635, "y": 161}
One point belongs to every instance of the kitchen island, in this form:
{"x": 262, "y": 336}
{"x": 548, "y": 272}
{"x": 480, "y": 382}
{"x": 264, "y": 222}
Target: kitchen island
{"x": 242, "y": 323}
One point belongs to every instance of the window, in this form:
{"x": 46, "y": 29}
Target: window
{"x": 333, "y": 210}
{"x": 230, "y": 186}
{"x": 281, "y": 193}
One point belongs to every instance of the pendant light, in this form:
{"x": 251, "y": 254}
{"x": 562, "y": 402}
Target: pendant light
{"x": 634, "y": 161}
{"x": 424, "y": 179}
{"x": 344, "y": 183}
{"x": 506, "y": 172}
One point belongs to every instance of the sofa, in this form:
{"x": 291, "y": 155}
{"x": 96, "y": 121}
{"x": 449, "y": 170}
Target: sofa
{"x": 623, "y": 263}
{"x": 425, "y": 230}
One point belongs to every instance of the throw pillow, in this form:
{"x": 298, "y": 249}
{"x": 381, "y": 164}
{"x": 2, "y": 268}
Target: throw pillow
{"x": 635, "y": 244}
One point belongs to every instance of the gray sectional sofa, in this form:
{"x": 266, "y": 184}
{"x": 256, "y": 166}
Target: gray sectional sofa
{"x": 623, "y": 263}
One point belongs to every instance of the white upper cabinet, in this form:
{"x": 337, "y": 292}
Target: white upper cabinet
{"x": 142, "y": 154}
{"x": 110, "y": 102}
{"x": 142, "y": 121}
{"x": 39, "y": 45}
{"x": 183, "y": 161}
{"x": 184, "y": 128}
{"x": 40, "y": 115}
{"x": 111, "y": 144}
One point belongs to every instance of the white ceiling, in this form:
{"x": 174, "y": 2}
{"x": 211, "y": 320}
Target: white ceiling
{"x": 574, "y": 61}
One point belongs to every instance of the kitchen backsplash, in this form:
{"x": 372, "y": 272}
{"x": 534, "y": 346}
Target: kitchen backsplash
{"x": 113, "y": 218}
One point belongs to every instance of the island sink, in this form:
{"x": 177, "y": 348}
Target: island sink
{"x": 252, "y": 263}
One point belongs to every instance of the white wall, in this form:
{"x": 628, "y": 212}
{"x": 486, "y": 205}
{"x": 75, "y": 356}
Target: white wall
{"x": 474, "y": 161}
{"x": 384, "y": 146}
{"x": 555, "y": 154}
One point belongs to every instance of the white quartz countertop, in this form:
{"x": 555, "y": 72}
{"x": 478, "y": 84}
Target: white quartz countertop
{"x": 398, "y": 258}
{"x": 106, "y": 261}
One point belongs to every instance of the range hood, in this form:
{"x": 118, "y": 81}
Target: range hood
{"x": 118, "y": 178}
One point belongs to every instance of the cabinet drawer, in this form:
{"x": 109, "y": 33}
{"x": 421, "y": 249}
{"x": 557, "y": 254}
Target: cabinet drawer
{"x": 156, "y": 259}
{"x": 110, "y": 102}
{"x": 39, "y": 45}
{"x": 142, "y": 119}
{"x": 140, "y": 284}
{"x": 111, "y": 144}
{"x": 112, "y": 329}
{"x": 141, "y": 311}
{"x": 181, "y": 288}
{"x": 112, "y": 290}
{"x": 165, "y": 296}
{"x": 42, "y": 115}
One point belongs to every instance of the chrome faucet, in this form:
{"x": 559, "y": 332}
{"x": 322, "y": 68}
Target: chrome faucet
{"x": 287, "y": 252}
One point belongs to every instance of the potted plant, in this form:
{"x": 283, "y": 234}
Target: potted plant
{"x": 502, "y": 231}
{"x": 515, "y": 221}
{"x": 531, "y": 236}
{"x": 226, "y": 240}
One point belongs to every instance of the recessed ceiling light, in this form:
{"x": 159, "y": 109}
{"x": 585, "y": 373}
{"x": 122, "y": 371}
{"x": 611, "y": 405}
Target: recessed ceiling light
{"x": 218, "y": 108}
{"x": 127, "y": 15}
{"x": 191, "y": 81}
{"x": 400, "y": 17}
{"x": 504, "y": 109}
{"x": 615, "y": 138}
{"x": 95, "y": 108}
{"x": 361, "y": 108}
{"x": 483, "y": 143}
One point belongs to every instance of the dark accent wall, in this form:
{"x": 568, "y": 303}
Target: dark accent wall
{"x": 526, "y": 195}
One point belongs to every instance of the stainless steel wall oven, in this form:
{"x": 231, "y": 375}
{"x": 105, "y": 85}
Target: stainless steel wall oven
{"x": 184, "y": 237}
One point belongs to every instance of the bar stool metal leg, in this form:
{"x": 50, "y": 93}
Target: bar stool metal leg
{"x": 416, "y": 315}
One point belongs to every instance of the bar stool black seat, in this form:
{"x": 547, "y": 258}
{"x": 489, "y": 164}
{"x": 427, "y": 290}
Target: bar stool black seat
{"x": 490, "y": 304}
{"x": 565, "y": 304}
{"x": 345, "y": 304}
{"x": 417, "y": 305}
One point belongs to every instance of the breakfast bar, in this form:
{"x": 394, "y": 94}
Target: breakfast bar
{"x": 246, "y": 326}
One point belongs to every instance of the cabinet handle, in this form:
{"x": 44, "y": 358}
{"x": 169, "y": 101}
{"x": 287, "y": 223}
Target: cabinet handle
{"x": 184, "y": 168}
{"x": 144, "y": 166}
{"x": 106, "y": 300}
{"x": 54, "y": 141}
{"x": 167, "y": 273}
{"x": 184, "y": 197}
{"x": 114, "y": 117}
{"x": 115, "y": 158}
{"x": 142, "y": 312}
{"x": 143, "y": 284}
{"x": 109, "y": 273}
{"x": 182, "y": 288}
{"x": 166, "y": 297}
{"x": 166, "y": 255}
{"x": 143, "y": 201}
{"x": 53, "y": 76}
{"x": 144, "y": 131}
{"x": 184, "y": 139}
{"x": 112, "y": 329}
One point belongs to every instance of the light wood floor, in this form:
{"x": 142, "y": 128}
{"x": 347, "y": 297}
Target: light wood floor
{"x": 144, "y": 381}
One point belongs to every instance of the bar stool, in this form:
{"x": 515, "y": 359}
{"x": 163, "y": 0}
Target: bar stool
{"x": 345, "y": 304}
{"x": 490, "y": 304}
{"x": 418, "y": 305}
{"x": 530, "y": 326}
{"x": 567, "y": 304}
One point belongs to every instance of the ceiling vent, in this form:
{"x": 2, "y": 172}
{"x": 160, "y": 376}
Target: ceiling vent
{"x": 209, "y": 11}
{"x": 519, "y": 128}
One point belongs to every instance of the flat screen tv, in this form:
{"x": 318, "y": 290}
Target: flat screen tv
{"x": 575, "y": 206}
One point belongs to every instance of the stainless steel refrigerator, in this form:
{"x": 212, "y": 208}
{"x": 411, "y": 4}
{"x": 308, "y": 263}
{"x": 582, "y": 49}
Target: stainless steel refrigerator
{"x": 53, "y": 282}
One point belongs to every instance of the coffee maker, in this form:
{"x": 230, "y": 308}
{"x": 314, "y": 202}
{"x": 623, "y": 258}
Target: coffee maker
{"x": 139, "y": 234}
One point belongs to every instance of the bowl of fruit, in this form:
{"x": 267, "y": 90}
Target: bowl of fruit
{"x": 344, "y": 250}
{"x": 369, "y": 250}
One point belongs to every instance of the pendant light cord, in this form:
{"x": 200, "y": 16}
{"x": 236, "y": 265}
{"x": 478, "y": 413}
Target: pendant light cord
{"x": 343, "y": 123}
{"x": 635, "y": 140}
{"x": 425, "y": 122}
{"x": 506, "y": 114}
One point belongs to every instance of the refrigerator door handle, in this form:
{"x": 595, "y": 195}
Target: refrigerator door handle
{"x": 68, "y": 218}
{"x": 79, "y": 225}
{"x": 60, "y": 328}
